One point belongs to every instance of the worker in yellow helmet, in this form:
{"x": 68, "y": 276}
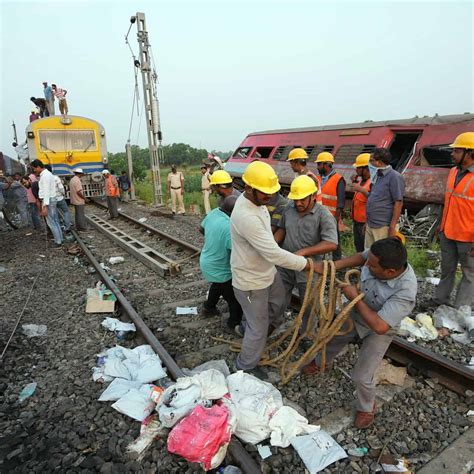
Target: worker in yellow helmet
{"x": 298, "y": 159}
{"x": 222, "y": 185}
{"x": 361, "y": 187}
{"x": 457, "y": 225}
{"x": 305, "y": 229}
{"x": 333, "y": 188}
{"x": 255, "y": 255}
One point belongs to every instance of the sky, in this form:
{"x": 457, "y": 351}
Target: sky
{"x": 228, "y": 68}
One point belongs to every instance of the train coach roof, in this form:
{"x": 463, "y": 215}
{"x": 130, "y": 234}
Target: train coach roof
{"x": 436, "y": 120}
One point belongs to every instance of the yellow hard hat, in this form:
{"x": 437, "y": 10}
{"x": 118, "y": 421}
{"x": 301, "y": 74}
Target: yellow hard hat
{"x": 297, "y": 154}
{"x": 362, "y": 160}
{"x": 220, "y": 177}
{"x": 401, "y": 237}
{"x": 261, "y": 176}
{"x": 325, "y": 156}
{"x": 465, "y": 140}
{"x": 301, "y": 187}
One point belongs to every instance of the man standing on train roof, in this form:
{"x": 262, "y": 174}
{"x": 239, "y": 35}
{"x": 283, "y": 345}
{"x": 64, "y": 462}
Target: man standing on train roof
{"x": 333, "y": 189}
{"x": 456, "y": 234}
{"x": 60, "y": 94}
{"x": 112, "y": 193}
{"x": 34, "y": 115}
{"x": 257, "y": 284}
{"x": 385, "y": 201}
{"x": 221, "y": 184}
{"x": 305, "y": 229}
{"x": 78, "y": 200}
{"x": 389, "y": 285}
{"x": 215, "y": 263}
{"x": 206, "y": 188}
{"x": 175, "y": 183}
{"x": 361, "y": 186}
{"x": 49, "y": 97}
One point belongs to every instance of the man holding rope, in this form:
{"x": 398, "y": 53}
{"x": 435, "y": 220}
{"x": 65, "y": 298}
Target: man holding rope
{"x": 389, "y": 286}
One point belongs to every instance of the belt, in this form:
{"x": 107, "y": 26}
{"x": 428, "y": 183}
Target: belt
{"x": 172, "y": 187}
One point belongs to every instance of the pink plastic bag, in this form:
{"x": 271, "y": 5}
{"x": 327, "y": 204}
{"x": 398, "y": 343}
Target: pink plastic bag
{"x": 202, "y": 436}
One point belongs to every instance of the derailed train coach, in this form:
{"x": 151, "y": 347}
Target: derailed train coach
{"x": 419, "y": 148}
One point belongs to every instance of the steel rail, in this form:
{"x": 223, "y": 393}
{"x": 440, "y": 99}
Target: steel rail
{"x": 236, "y": 450}
{"x": 153, "y": 230}
{"x": 452, "y": 375}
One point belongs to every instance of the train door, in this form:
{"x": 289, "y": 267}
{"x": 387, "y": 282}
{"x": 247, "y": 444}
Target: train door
{"x": 403, "y": 147}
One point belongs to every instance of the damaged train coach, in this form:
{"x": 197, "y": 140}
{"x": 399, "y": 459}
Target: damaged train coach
{"x": 419, "y": 149}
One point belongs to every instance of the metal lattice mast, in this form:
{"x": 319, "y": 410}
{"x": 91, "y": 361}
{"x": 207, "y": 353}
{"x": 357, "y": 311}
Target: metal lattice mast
{"x": 151, "y": 109}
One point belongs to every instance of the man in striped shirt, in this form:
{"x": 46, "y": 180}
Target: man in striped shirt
{"x": 60, "y": 94}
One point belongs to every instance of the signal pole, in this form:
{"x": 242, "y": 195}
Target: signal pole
{"x": 152, "y": 115}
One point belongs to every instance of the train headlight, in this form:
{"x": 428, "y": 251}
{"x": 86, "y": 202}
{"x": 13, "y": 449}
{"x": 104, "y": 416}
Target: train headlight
{"x": 31, "y": 134}
{"x": 105, "y": 160}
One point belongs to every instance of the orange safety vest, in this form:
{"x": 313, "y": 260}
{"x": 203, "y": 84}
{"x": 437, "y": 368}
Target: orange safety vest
{"x": 111, "y": 186}
{"x": 359, "y": 203}
{"x": 458, "y": 213}
{"x": 329, "y": 192}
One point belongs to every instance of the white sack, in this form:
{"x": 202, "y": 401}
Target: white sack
{"x": 136, "y": 404}
{"x": 256, "y": 402}
{"x": 287, "y": 423}
{"x": 149, "y": 369}
{"x": 115, "y": 367}
{"x": 212, "y": 384}
{"x": 317, "y": 450}
{"x": 117, "y": 389}
{"x": 114, "y": 324}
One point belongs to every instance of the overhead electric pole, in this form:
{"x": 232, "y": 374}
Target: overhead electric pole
{"x": 150, "y": 100}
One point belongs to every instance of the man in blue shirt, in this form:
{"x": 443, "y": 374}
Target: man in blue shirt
{"x": 385, "y": 201}
{"x": 49, "y": 97}
{"x": 215, "y": 263}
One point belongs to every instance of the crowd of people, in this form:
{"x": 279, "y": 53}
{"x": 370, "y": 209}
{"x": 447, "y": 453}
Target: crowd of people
{"x": 257, "y": 247}
{"x": 45, "y": 107}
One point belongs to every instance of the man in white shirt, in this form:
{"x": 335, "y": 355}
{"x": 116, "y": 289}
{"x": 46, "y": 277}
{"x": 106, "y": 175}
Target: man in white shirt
{"x": 47, "y": 195}
{"x": 257, "y": 285}
{"x": 206, "y": 188}
{"x": 61, "y": 204}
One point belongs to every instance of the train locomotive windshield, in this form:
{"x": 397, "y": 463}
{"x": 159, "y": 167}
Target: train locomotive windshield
{"x": 73, "y": 140}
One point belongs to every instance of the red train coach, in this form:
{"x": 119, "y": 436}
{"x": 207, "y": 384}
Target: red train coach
{"x": 418, "y": 147}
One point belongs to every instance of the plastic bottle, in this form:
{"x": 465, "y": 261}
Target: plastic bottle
{"x": 27, "y": 391}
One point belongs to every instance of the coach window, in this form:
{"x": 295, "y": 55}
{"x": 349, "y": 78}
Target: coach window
{"x": 242, "y": 153}
{"x": 346, "y": 154}
{"x": 436, "y": 156}
{"x": 262, "y": 152}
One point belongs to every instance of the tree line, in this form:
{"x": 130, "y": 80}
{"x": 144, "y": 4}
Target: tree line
{"x": 180, "y": 154}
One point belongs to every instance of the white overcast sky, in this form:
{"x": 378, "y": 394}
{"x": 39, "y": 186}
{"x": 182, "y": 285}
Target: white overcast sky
{"x": 227, "y": 68}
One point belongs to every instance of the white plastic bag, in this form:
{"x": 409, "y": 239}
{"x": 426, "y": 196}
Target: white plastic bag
{"x": 149, "y": 369}
{"x": 114, "y": 324}
{"x": 255, "y": 403}
{"x": 114, "y": 367}
{"x": 34, "y": 330}
{"x": 117, "y": 389}
{"x": 212, "y": 384}
{"x": 136, "y": 404}
{"x": 287, "y": 423}
{"x": 317, "y": 450}
{"x": 115, "y": 260}
{"x": 219, "y": 365}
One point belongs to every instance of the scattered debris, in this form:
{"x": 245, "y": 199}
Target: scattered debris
{"x": 100, "y": 300}
{"x": 264, "y": 451}
{"x": 142, "y": 219}
{"x": 358, "y": 452}
{"x": 394, "y": 465}
{"x": 27, "y": 391}
{"x": 2, "y": 269}
{"x": 149, "y": 431}
{"x": 433, "y": 280}
{"x": 114, "y": 324}
{"x": 115, "y": 260}
{"x": 447, "y": 317}
{"x": 389, "y": 374}
{"x": 34, "y": 330}
{"x": 421, "y": 328}
{"x": 74, "y": 249}
{"x": 185, "y": 310}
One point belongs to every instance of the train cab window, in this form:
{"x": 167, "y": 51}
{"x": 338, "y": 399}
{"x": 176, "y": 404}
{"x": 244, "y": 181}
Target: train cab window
{"x": 436, "y": 156}
{"x": 243, "y": 152}
{"x": 346, "y": 154}
{"x": 279, "y": 153}
{"x": 402, "y": 149}
{"x": 317, "y": 149}
{"x": 262, "y": 152}
{"x": 72, "y": 140}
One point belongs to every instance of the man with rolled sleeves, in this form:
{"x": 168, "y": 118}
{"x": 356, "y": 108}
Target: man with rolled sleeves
{"x": 385, "y": 201}
{"x": 457, "y": 225}
{"x": 257, "y": 285}
{"x": 389, "y": 285}
{"x": 305, "y": 229}
{"x": 78, "y": 200}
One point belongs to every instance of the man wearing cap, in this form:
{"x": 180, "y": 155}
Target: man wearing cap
{"x": 298, "y": 162}
{"x": 206, "y": 188}
{"x": 361, "y": 188}
{"x": 215, "y": 263}
{"x": 78, "y": 200}
{"x": 257, "y": 285}
{"x": 34, "y": 115}
{"x": 333, "y": 189}
{"x": 221, "y": 184}
{"x": 385, "y": 201}
{"x": 49, "y": 97}
{"x": 112, "y": 193}
{"x": 305, "y": 229}
{"x": 175, "y": 182}
{"x": 456, "y": 234}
